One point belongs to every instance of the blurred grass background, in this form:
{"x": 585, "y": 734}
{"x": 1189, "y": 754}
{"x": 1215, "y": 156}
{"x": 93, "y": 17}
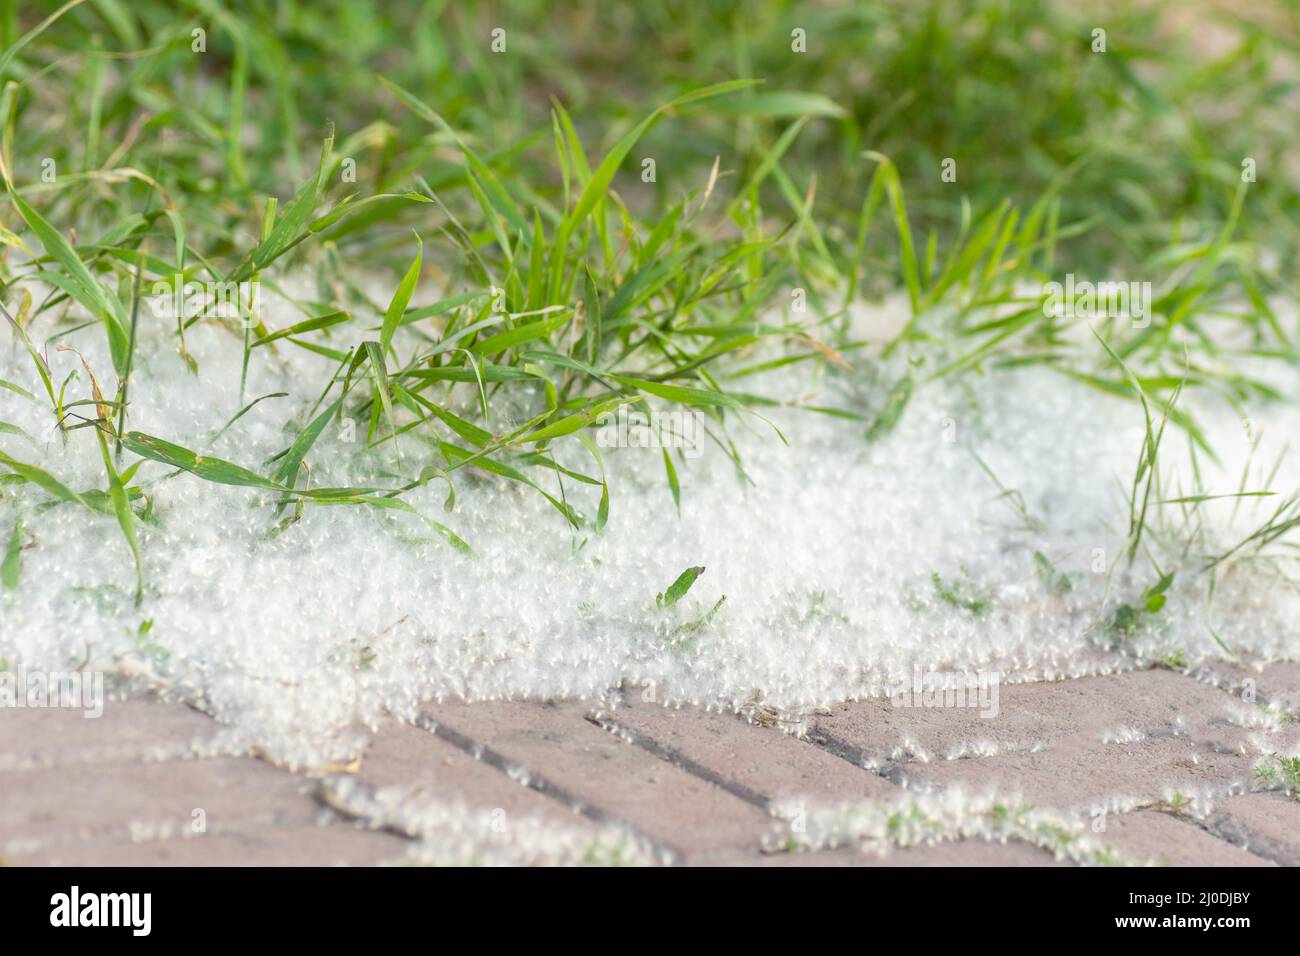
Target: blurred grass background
{"x": 197, "y": 127}
{"x": 1144, "y": 140}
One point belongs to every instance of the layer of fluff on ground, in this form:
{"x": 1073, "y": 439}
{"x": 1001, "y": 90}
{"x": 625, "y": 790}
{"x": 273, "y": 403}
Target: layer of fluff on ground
{"x": 845, "y": 565}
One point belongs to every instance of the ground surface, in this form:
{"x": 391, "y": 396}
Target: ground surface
{"x": 155, "y": 782}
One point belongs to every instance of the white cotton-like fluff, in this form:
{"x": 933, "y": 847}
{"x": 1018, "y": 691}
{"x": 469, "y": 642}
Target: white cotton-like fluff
{"x": 452, "y": 834}
{"x": 827, "y": 556}
{"x": 925, "y": 819}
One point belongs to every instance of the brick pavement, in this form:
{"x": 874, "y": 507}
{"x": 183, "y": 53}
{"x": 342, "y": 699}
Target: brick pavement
{"x": 1149, "y": 766}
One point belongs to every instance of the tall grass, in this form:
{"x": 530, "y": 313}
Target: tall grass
{"x": 568, "y": 283}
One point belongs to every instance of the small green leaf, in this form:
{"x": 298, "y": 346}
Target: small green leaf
{"x": 43, "y": 479}
{"x": 520, "y": 335}
{"x": 677, "y": 590}
{"x": 602, "y": 510}
{"x": 122, "y": 509}
{"x": 401, "y": 297}
{"x": 287, "y": 473}
{"x": 12, "y": 565}
{"x": 781, "y": 105}
{"x": 17, "y": 389}
{"x": 6, "y": 428}
{"x": 209, "y": 469}
{"x": 307, "y": 325}
{"x": 572, "y": 423}
{"x": 680, "y": 393}
{"x": 673, "y": 484}
{"x": 79, "y": 283}
{"x": 892, "y": 411}
{"x": 1054, "y": 581}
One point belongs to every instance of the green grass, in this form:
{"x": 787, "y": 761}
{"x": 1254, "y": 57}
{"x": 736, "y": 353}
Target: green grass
{"x": 1280, "y": 773}
{"x": 511, "y": 182}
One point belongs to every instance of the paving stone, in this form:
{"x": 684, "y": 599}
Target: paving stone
{"x": 958, "y": 853}
{"x": 335, "y": 844}
{"x": 1283, "y": 741}
{"x": 1167, "y": 840}
{"x": 1033, "y": 716}
{"x": 1276, "y": 684}
{"x": 427, "y": 766}
{"x": 967, "y": 853}
{"x": 112, "y": 791}
{"x": 565, "y": 755}
{"x": 71, "y": 804}
{"x": 1266, "y": 824}
{"x": 1280, "y": 683}
{"x": 764, "y": 763}
{"x": 138, "y": 729}
{"x": 1079, "y": 775}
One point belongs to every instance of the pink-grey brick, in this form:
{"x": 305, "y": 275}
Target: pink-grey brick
{"x": 765, "y": 762}
{"x": 1168, "y": 840}
{"x": 335, "y": 844}
{"x": 126, "y": 730}
{"x": 104, "y": 801}
{"x": 568, "y": 756}
{"x": 1267, "y": 824}
{"x": 427, "y": 766}
{"x": 1033, "y": 716}
{"x": 1081, "y": 774}
{"x": 971, "y": 852}
{"x": 1276, "y": 684}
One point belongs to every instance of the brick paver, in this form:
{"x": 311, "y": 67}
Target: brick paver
{"x": 689, "y": 784}
{"x": 1080, "y": 775}
{"x": 120, "y": 800}
{"x": 1267, "y": 824}
{"x": 1168, "y": 840}
{"x": 762, "y": 763}
{"x": 428, "y": 766}
{"x": 143, "y": 729}
{"x": 563, "y": 754}
{"x": 1031, "y": 717}
{"x": 1276, "y": 684}
{"x": 333, "y": 844}
{"x": 972, "y": 852}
